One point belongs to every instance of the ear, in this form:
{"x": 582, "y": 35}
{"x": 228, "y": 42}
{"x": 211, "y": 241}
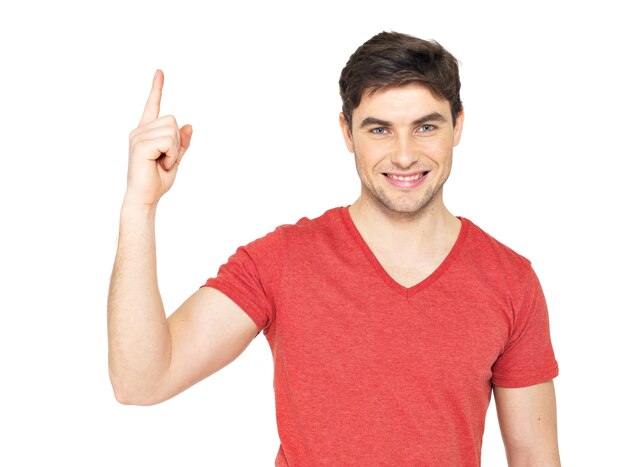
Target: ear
{"x": 346, "y": 132}
{"x": 458, "y": 127}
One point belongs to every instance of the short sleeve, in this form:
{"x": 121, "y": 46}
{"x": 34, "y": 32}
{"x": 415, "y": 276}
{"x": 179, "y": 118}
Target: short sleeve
{"x": 528, "y": 356}
{"x": 251, "y": 276}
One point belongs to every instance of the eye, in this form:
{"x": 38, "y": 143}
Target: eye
{"x": 426, "y": 128}
{"x": 379, "y": 130}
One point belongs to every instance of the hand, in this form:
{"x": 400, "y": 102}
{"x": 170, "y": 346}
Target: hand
{"x": 156, "y": 148}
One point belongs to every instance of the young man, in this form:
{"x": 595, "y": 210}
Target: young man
{"x": 390, "y": 321}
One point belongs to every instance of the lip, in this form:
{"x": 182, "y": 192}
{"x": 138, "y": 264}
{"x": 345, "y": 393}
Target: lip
{"x": 406, "y": 180}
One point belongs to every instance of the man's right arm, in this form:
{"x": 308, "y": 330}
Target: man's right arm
{"x": 151, "y": 357}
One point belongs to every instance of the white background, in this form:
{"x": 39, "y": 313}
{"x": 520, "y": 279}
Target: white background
{"x": 540, "y": 167}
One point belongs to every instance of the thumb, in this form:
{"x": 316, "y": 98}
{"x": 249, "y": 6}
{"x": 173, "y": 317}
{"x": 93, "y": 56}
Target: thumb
{"x": 185, "y": 140}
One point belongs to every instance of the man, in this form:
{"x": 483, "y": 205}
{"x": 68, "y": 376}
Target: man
{"x": 390, "y": 321}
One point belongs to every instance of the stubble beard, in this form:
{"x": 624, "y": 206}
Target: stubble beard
{"x": 404, "y": 206}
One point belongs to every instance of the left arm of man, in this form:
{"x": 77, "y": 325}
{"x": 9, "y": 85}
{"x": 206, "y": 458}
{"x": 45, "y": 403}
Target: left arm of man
{"x": 527, "y": 418}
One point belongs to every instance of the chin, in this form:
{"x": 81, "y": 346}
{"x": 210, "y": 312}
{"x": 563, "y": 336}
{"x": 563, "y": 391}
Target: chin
{"x": 405, "y": 209}
{"x": 404, "y": 206}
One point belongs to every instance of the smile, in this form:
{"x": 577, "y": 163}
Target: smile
{"x": 404, "y": 178}
{"x": 405, "y": 181}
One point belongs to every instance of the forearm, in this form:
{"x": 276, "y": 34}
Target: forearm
{"x": 139, "y": 338}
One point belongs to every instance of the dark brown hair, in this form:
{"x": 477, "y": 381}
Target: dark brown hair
{"x": 396, "y": 59}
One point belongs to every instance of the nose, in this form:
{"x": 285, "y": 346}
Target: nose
{"x": 405, "y": 151}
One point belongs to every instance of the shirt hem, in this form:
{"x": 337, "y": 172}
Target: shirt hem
{"x": 520, "y": 382}
{"x": 232, "y": 294}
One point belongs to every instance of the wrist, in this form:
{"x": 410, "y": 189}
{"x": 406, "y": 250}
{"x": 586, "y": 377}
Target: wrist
{"x": 135, "y": 208}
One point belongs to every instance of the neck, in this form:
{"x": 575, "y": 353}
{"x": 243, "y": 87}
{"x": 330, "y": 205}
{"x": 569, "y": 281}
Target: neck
{"x": 432, "y": 227}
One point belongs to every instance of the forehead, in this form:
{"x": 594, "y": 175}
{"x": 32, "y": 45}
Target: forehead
{"x": 413, "y": 99}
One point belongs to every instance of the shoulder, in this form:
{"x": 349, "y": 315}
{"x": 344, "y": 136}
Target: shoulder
{"x": 493, "y": 259}
{"x": 311, "y": 229}
{"x": 328, "y": 219}
{"x": 499, "y": 274}
{"x": 491, "y": 249}
{"x": 303, "y": 233}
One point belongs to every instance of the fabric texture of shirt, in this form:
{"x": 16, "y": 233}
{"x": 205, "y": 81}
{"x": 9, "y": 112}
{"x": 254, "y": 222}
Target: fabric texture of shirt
{"x": 368, "y": 372}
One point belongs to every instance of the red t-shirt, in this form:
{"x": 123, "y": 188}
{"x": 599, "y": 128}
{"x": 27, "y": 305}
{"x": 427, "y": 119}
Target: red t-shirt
{"x": 368, "y": 372}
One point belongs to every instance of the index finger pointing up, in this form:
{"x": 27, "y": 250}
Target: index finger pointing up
{"x": 153, "y": 105}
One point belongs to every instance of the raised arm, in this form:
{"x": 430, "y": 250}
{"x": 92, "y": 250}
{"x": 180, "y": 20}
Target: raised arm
{"x": 152, "y": 358}
{"x": 527, "y": 418}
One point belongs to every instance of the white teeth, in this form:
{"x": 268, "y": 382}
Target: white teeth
{"x": 403, "y": 178}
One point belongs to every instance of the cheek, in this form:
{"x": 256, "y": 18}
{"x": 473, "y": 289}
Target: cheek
{"x": 441, "y": 151}
{"x": 370, "y": 153}
{"x": 364, "y": 165}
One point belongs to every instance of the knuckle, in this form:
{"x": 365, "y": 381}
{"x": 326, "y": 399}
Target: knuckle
{"x": 135, "y": 139}
{"x": 170, "y": 119}
{"x": 143, "y": 144}
{"x": 173, "y": 133}
{"x": 137, "y": 133}
{"x": 137, "y": 146}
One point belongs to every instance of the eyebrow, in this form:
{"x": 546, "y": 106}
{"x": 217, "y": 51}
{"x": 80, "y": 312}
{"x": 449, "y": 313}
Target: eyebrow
{"x": 431, "y": 117}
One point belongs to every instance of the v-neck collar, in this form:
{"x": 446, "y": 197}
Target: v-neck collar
{"x": 402, "y": 290}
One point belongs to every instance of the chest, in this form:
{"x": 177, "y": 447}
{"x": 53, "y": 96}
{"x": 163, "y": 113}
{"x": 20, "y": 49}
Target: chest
{"x": 408, "y": 274}
{"x": 355, "y": 328}
{"x": 343, "y": 320}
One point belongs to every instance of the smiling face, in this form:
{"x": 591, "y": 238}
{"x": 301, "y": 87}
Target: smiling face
{"x": 402, "y": 139}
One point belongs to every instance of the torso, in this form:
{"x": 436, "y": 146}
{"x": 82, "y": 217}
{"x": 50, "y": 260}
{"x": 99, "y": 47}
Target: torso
{"x": 375, "y": 359}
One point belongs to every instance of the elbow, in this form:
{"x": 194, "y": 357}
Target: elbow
{"x": 126, "y": 397}
{"x": 130, "y": 394}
